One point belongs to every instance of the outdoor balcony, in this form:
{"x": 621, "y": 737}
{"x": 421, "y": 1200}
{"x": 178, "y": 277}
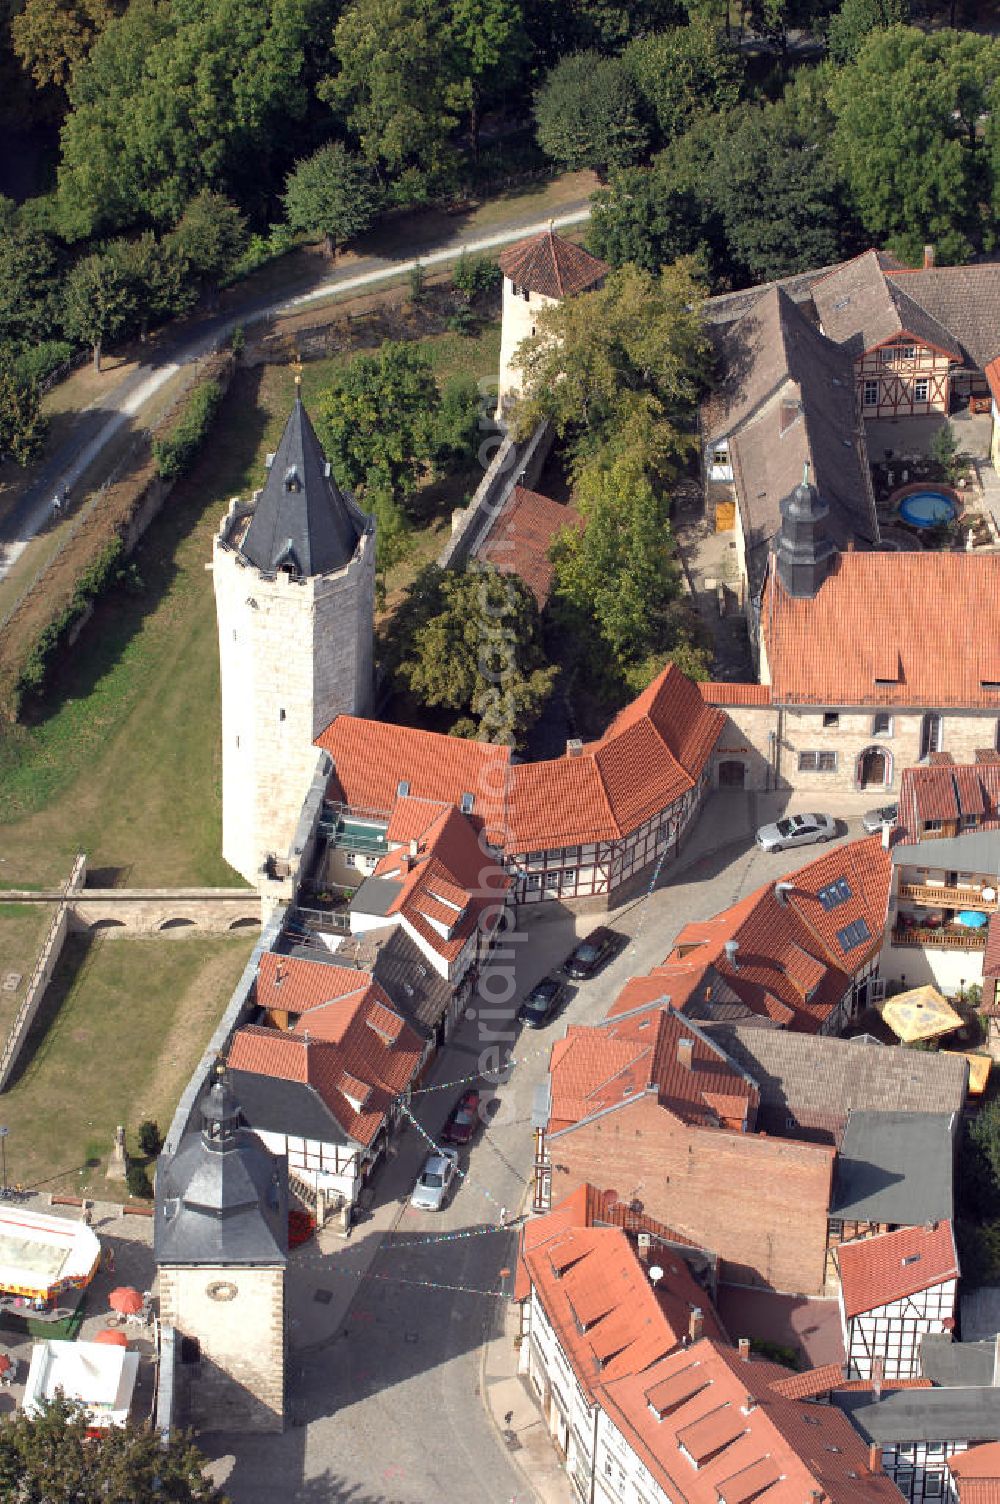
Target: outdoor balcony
{"x": 944, "y": 896}
{"x": 946, "y": 937}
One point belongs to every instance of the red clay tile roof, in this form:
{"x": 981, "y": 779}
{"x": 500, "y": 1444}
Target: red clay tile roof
{"x": 936, "y": 612}
{"x": 519, "y": 541}
{"x": 550, "y": 265}
{"x": 720, "y": 693}
{"x": 877, "y": 1271}
{"x": 351, "y": 1046}
{"x": 450, "y": 883}
{"x": 597, "y": 1069}
{"x": 977, "y": 1474}
{"x": 807, "y": 1385}
{"x": 787, "y": 946}
{"x": 290, "y": 985}
{"x": 991, "y": 956}
{"x": 947, "y": 792}
{"x": 412, "y": 818}
{"x": 993, "y": 379}
{"x": 652, "y": 753}
{"x": 372, "y": 758}
{"x": 698, "y": 1396}
{"x": 590, "y": 1277}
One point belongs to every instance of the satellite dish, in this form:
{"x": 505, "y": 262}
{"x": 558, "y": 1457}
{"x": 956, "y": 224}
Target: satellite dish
{"x": 655, "y": 1274}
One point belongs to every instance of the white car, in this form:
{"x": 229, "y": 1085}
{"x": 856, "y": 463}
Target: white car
{"x": 796, "y": 830}
{"x": 435, "y": 1178}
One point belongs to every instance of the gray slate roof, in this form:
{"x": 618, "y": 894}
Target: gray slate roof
{"x": 965, "y": 300}
{"x": 776, "y": 348}
{"x": 906, "y": 1415}
{"x": 952, "y": 1363}
{"x": 895, "y": 1167}
{"x": 974, "y": 851}
{"x": 224, "y": 1202}
{"x": 301, "y": 518}
{"x": 860, "y": 306}
{"x": 837, "y": 1076}
{"x": 293, "y": 1107}
{"x": 376, "y": 895}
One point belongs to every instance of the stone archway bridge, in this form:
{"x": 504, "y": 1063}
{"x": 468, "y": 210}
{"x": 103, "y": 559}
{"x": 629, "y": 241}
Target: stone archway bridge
{"x": 145, "y": 911}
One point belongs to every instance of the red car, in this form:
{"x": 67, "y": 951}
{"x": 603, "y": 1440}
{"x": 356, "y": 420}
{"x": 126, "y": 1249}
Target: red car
{"x": 463, "y": 1120}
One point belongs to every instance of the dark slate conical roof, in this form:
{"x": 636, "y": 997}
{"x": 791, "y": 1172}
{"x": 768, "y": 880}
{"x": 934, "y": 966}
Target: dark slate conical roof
{"x": 302, "y": 519}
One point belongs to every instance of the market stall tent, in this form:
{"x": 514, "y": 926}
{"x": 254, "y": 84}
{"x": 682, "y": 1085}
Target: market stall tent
{"x": 921, "y": 1013}
{"x": 43, "y": 1256}
{"x": 100, "y": 1378}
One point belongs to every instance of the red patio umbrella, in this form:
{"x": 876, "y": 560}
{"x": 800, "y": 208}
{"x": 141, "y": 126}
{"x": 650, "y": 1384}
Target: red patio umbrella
{"x": 111, "y": 1338}
{"x": 126, "y": 1300}
{"x": 6, "y": 1363}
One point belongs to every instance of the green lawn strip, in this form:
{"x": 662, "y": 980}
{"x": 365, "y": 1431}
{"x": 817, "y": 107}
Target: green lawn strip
{"x": 122, "y": 1026}
{"x": 23, "y": 927}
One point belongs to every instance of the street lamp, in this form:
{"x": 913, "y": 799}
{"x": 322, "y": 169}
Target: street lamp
{"x": 3, "y": 1148}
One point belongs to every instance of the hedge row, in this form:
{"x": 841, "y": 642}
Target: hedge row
{"x": 174, "y": 454}
{"x": 94, "y": 580}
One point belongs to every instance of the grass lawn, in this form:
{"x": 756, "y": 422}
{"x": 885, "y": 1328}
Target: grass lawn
{"x": 23, "y": 927}
{"x": 120, "y": 1031}
{"x": 124, "y": 762}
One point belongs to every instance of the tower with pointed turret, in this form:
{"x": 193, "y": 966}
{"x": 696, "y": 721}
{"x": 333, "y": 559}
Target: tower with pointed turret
{"x": 804, "y": 550}
{"x": 294, "y": 574}
{"x": 220, "y": 1238}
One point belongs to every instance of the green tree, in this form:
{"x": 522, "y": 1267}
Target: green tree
{"x": 470, "y": 642}
{"x": 209, "y": 237}
{"x": 98, "y": 302}
{"x": 155, "y": 281}
{"x": 623, "y": 365}
{"x": 52, "y": 37}
{"x": 778, "y": 195}
{"x": 557, "y": 28}
{"x": 491, "y": 48}
{"x": 457, "y": 426}
{"x": 587, "y": 114}
{"x": 177, "y": 97}
{"x": 49, "y": 1457}
{"x": 398, "y": 83}
{"x": 22, "y": 427}
{"x": 331, "y": 194}
{"x": 912, "y": 155}
{"x": 855, "y": 21}
{"x": 618, "y": 572}
{"x": 29, "y": 286}
{"x": 684, "y": 71}
{"x": 378, "y": 419}
{"x": 646, "y": 216}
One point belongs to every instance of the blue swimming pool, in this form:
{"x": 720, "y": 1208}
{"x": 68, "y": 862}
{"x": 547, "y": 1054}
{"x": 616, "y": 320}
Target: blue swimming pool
{"x": 928, "y": 508}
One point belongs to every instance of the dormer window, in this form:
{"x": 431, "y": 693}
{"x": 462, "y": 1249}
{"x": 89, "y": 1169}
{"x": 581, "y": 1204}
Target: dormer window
{"x": 292, "y": 479}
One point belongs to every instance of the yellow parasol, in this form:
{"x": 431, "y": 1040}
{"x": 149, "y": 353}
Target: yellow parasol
{"x": 921, "y": 1013}
{"x": 979, "y": 1073}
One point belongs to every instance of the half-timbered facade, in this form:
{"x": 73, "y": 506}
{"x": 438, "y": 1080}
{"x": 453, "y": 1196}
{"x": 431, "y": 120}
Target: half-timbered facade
{"x": 919, "y": 337}
{"x": 896, "y": 1289}
{"x": 590, "y": 825}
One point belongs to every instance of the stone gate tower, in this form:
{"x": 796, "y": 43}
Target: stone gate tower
{"x": 294, "y": 575}
{"x": 221, "y": 1244}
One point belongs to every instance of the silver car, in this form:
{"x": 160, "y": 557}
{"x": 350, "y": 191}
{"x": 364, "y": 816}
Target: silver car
{"x": 435, "y": 1178}
{"x": 874, "y": 819}
{"x": 796, "y": 830}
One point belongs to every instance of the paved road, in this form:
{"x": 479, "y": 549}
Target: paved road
{"x": 99, "y": 424}
{"x": 386, "y": 1406}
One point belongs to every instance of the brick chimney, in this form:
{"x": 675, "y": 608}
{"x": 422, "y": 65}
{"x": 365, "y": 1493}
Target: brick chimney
{"x": 928, "y": 257}
{"x": 696, "y": 1324}
{"x": 744, "y": 1347}
{"x": 878, "y": 1374}
{"x": 685, "y": 1053}
{"x": 414, "y": 847}
{"x": 874, "y": 1458}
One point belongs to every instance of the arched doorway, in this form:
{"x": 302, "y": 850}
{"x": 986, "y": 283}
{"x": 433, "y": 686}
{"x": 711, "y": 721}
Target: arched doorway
{"x": 875, "y": 768}
{"x": 732, "y": 774}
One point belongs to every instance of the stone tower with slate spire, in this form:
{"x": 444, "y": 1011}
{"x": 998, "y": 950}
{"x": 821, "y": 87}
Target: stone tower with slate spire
{"x": 294, "y": 574}
{"x": 220, "y": 1239}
